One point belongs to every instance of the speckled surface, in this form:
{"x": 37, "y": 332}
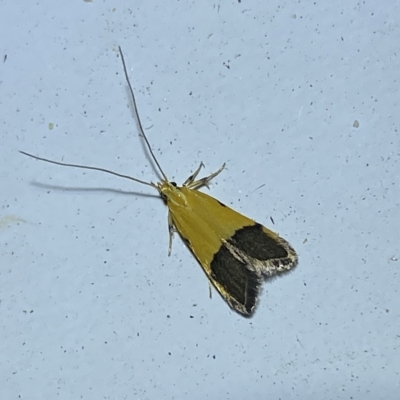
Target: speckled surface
{"x": 300, "y": 100}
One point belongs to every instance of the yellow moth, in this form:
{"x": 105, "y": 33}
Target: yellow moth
{"x": 235, "y": 252}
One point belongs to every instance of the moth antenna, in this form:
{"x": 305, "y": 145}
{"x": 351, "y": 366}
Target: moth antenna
{"x": 137, "y": 116}
{"x": 89, "y": 167}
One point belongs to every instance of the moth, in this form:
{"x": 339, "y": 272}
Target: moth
{"x": 235, "y": 252}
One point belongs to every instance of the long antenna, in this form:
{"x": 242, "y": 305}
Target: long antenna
{"x": 107, "y": 170}
{"x": 89, "y": 167}
{"x": 137, "y": 116}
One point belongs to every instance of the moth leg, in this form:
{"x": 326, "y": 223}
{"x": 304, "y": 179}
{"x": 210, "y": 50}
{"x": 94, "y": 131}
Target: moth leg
{"x": 171, "y": 230}
{"x": 204, "y": 181}
{"x": 192, "y": 177}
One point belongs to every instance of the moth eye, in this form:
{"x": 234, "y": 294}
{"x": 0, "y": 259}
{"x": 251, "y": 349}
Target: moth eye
{"x": 174, "y": 184}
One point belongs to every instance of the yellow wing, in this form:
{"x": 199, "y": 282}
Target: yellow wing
{"x": 233, "y": 250}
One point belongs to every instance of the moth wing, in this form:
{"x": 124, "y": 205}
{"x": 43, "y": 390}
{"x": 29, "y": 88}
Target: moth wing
{"x": 233, "y": 250}
{"x": 204, "y": 224}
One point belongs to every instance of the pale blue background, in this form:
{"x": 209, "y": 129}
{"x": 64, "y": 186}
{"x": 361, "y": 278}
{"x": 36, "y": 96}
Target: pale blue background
{"x": 91, "y": 306}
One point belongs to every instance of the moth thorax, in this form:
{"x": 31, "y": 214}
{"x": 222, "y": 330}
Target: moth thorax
{"x": 172, "y": 194}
